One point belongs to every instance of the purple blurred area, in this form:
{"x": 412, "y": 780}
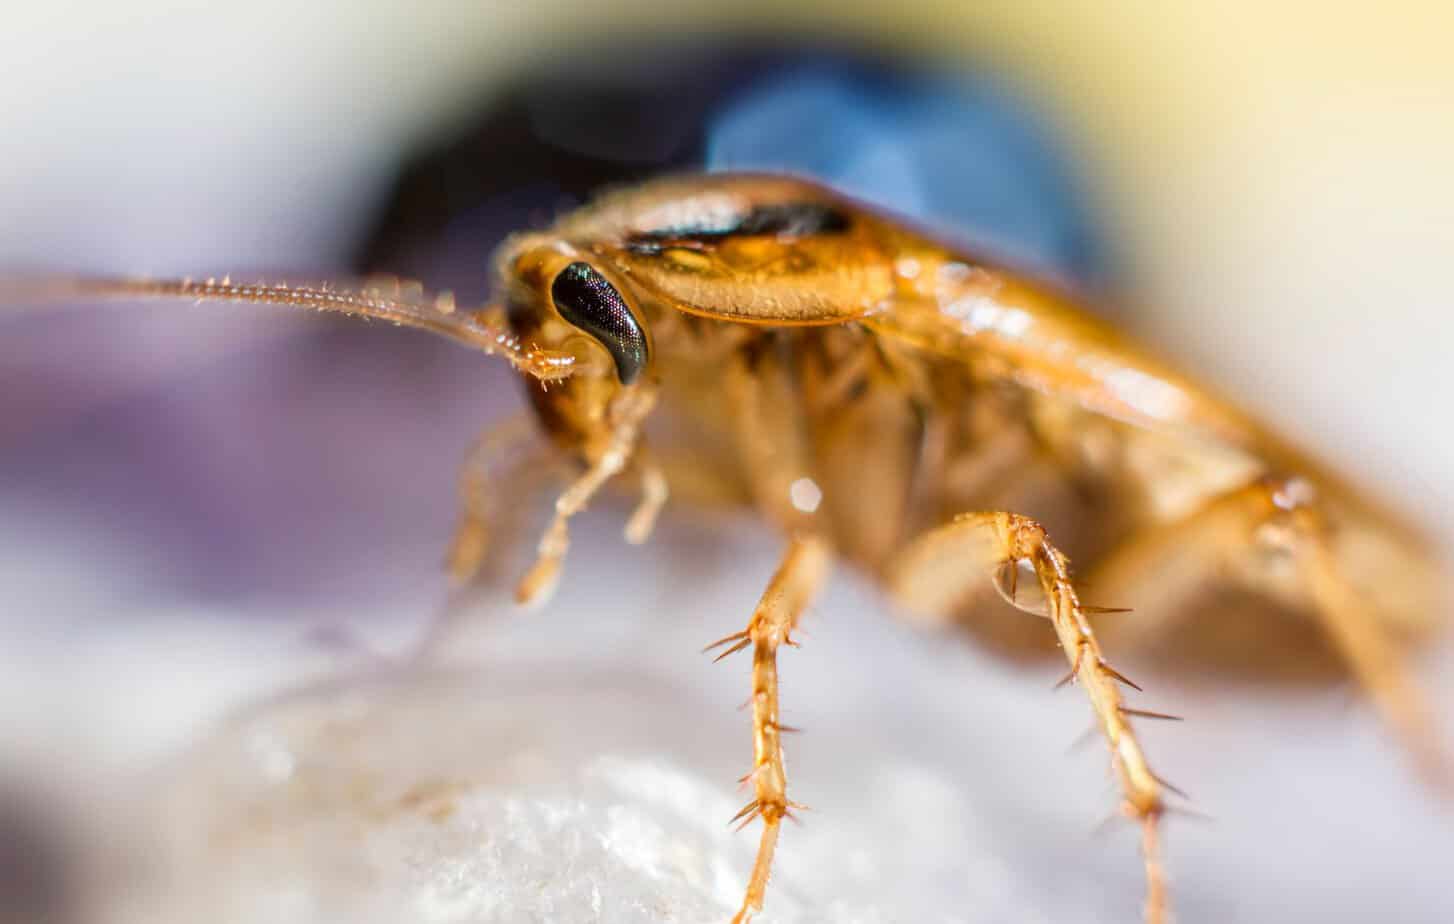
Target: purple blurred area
{"x": 295, "y": 460}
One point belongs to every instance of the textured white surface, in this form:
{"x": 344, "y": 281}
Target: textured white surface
{"x": 360, "y": 806}
{"x": 576, "y": 764}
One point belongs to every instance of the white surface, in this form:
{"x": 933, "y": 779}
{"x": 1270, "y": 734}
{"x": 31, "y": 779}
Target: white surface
{"x": 585, "y": 754}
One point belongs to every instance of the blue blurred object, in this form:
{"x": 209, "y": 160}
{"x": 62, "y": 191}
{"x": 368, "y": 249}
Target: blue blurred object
{"x": 959, "y": 153}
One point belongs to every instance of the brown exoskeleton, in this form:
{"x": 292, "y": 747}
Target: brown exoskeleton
{"x": 884, "y": 398}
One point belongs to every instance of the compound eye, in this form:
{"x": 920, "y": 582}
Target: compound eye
{"x": 585, "y": 299}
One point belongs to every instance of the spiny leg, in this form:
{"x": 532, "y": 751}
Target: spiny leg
{"x": 804, "y": 568}
{"x": 997, "y": 543}
{"x": 1227, "y": 531}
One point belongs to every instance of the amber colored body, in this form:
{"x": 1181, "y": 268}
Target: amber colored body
{"x": 947, "y": 425}
{"x": 957, "y": 386}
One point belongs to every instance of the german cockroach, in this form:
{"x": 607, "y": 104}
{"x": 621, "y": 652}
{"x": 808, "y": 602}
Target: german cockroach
{"x": 958, "y": 431}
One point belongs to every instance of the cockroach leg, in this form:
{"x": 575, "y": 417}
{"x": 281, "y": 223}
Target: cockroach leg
{"x": 804, "y": 568}
{"x": 654, "y": 494}
{"x": 539, "y": 582}
{"x": 1367, "y": 647}
{"x": 1225, "y": 530}
{"x": 505, "y": 454}
{"x": 992, "y": 541}
{"x": 1156, "y": 899}
{"x": 608, "y": 461}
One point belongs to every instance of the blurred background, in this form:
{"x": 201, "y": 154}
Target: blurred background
{"x": 220, "y": 528}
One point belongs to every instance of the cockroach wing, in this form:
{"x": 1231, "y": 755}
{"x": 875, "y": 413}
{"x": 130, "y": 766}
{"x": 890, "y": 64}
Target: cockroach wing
{"x": 812, "y": 283}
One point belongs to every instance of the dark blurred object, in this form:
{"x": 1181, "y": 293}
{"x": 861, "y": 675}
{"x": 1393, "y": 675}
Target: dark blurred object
{"x": 957, "y": 151}
{"x": 35, "y": 880}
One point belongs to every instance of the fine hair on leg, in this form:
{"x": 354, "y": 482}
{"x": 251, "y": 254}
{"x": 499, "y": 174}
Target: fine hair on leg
{"x": 804, "y": 568}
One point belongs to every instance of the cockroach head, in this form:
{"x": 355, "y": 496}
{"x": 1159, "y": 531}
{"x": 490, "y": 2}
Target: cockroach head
{"x": 738, "y": 248}
{"x": 562, "y": 299}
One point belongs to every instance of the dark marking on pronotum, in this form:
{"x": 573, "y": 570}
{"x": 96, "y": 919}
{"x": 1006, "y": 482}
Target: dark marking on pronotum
{"x": 585, "y": 299}
{"x": 792, "y": 219}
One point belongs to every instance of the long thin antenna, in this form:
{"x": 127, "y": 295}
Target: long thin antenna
{"x": 403, "y": 303}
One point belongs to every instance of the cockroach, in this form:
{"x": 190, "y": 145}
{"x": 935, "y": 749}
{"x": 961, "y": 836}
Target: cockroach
{"x": 955, "y": 429}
